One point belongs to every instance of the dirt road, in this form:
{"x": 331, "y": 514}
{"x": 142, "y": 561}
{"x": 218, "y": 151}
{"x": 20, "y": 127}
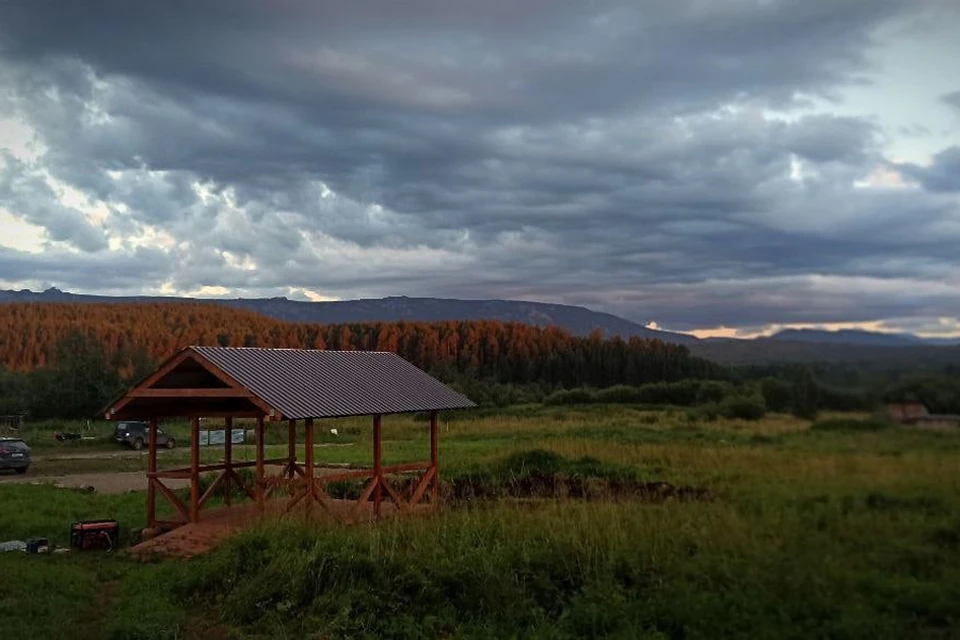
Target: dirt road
{"x": 100, "y": 482}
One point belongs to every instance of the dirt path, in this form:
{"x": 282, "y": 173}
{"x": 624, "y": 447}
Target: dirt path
{"x": 120, "y": 482}
{"x": 113, "y": 481}
{"x": 116, "y": 454}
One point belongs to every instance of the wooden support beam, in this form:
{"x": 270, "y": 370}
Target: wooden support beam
{"x": 218, "y": 392}
{"x": 308, "y": 464}
{"x": 240, "y": 483}
{"x": 370, "y": 473}
{"x": 152, "y": 468}
{"x": 377, "y": 464}
{"x": 425, "y": 481}
{"x": 259, "y": 482}
{"x": 223, "y": 477}
{"x": 291, "y": 447}
{"x": 171, "y": 498}
{"x": 398, "y": 502}
{"x": 434, "y": 458}
{"x": 228, "y": 459}
{"x": 184, "y": 472}
{"x": 365, "y": 496}
{"x": 195, "y": 470}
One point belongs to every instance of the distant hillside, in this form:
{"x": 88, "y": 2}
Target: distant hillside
{"x": 900, "y": 351}
{"x": 770, "y": 350}
{"x": 860, "y": 337}
{"x": 577, "y": 320}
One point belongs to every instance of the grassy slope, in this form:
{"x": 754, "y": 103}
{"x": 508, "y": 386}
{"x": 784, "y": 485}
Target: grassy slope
{"x": 812, "y": 533}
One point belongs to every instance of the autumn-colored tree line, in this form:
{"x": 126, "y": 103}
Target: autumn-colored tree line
{"x": 135, "y": 335}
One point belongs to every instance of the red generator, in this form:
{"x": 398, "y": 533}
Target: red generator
{"x": 95, "y": 534}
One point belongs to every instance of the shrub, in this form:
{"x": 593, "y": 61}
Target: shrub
{"x": 743, "y": 407}
{"x": 776, "y": 394}
{"x": 571, "y": 396}
{"x": 620, "y": 394}
{"x": 713, "y": 391}
{"x": 849, "y": 424}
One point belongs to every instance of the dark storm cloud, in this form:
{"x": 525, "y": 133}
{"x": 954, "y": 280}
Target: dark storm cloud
{"x": 942, "y": 174}
{"x": 612, "y": 153}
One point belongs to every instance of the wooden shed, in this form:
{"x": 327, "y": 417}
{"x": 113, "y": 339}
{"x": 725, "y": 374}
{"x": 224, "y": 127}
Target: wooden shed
{"x": 291, "y": 388}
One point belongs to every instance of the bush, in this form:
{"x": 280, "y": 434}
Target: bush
{"x": 683, "y": 393}
{"x": 571, "y": 396}
{"x": 849, "y": 424}
{"x": 842, "y": 399}
{"x": 713, "y": 391}
{"x": 743, "y": 407}
{"x": 776, "y": 394}
{"x": 620, "y": 394}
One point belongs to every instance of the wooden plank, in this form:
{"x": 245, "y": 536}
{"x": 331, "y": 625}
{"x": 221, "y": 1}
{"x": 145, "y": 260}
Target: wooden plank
{"x": 258, "y": 486}
{"x": 232, "y": 382}
{"x": 149, "y": 381}
{"x": 240, "y": 483}
{"x": 192, "y": 392}
{"x": 425, "y": 482}
{"x": 224, "y": 475}
{"x": 367, "y": 473}
{"x": 308, "y": 463}
{"x": 152, "y": 468}
{"x": 377, "y": 463}
{"x": 364, "y": 497}
{"x": 397, "y": 500}
{"x": 291, "y": 446}
{"x": 346, "y": 475}
{"x": 295, "y": 500}
{"x": 195, "y": 470}
{"x": 228, "y": 458}
{"x": 184, "y": 472}
{"x": 172, "y": 498}
{"x": 434, "y": 458}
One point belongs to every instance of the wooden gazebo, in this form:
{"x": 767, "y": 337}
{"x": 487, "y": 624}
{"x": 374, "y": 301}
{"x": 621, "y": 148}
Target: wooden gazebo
{"x": 284, "y": 386}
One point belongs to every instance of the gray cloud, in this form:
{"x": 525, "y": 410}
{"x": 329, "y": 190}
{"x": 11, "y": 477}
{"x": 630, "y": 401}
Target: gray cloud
{"x": 943, "y": 173}
{"x": 612, "y": 153}
{"x": 952, "y": 99}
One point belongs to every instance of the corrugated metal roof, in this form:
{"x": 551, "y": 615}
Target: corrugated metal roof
{"x": 303, "y": 383}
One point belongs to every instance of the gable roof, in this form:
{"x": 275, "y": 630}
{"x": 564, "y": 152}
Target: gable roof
{"x": 304, "y": 383}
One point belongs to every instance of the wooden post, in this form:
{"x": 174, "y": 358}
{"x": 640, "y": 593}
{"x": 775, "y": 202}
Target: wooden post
{"x": 434, "y": 459}
{"x": 195, "y": 469}
{"x": 259, "y": 487}
{"x": 377, "y": 465}
{"x": 228, "y": 459}
{"x": 152, "y": 468}
{"x": 308, "y": 461}
{"x": 291, "y": 447}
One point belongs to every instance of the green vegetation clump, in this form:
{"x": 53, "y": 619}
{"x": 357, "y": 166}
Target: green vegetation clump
{"x": 570, "y": 397}
{"x": 850, "y": 424}
{"x": 743, "y": 407}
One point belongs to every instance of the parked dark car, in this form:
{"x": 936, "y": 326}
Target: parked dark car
{"x": 137, "y": 434}
{"x": 14, "y": 454}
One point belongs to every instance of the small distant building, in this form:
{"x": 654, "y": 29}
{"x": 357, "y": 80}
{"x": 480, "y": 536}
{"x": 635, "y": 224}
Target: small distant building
{"x": 907, "y": 413}
{"x": 915, "y": 414}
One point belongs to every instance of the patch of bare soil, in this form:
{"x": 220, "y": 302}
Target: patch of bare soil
{"x": 100, "y": 482}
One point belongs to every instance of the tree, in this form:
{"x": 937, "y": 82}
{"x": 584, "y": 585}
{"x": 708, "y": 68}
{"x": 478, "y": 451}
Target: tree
{"x": 806, "y": 395}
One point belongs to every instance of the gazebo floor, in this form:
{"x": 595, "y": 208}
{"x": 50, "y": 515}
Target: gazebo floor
{"x": 216, "y": 525}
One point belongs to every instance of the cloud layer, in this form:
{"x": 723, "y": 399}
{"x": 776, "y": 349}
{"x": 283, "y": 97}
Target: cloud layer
{"x": 658, "y": 160}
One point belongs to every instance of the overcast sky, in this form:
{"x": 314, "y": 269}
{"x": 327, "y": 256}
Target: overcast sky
{"x": 708, "y": 165}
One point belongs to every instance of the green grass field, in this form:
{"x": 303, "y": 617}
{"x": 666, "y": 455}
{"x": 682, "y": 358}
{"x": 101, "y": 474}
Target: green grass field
{"x": 838, "y": 532}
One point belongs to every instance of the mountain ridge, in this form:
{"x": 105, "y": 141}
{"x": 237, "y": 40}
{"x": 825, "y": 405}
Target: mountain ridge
{"x": 577, "y": 320}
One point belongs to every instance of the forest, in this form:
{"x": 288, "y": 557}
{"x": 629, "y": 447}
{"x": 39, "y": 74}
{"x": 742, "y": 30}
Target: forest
{"x": 69, "y": 360}
{"x": 91, "y": 351}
